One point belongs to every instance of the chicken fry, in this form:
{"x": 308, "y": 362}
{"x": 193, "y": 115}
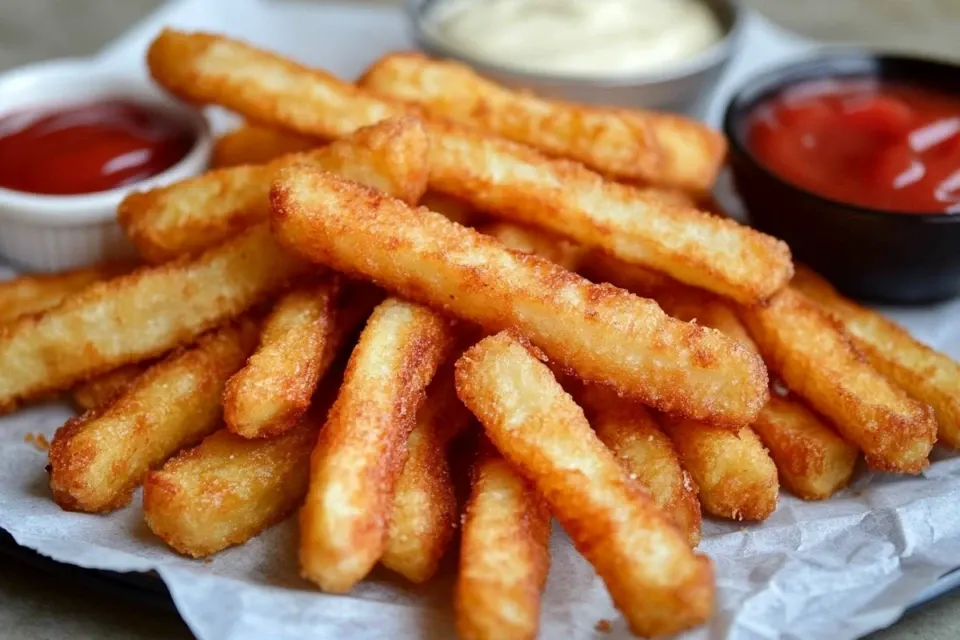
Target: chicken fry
{"x": 192, "y": 215}
{"x": 96, "y": 391}
{"x": 634, "y": 145}
{"x": 668, "y": 364}
{"x": 139, "y": 316}
{"x": 33, "y": 293}
{"x": 253, "y": 144}
{"x": 925, "y": 374}
{"x": 99, "y": 458}
{"x": 554, "y": 248}
{"x": 658, "y": 583}
{"x": 818, "y": 362}
{"x": 505, "y": 179}
{"x": 359, "y": 456}
{"x": 273, "y": 390}
{"x": 504, "y": 555}
{"x": 424, "y": 516}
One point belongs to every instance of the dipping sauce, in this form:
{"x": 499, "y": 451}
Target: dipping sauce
{"x": 890, "y": 146}
{"x": 596, "y": 38}
{"x": 88, "y": 148}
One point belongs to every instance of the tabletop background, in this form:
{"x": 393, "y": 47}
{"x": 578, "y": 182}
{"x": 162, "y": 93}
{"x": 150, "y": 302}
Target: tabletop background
{"x": 37, "y": 606}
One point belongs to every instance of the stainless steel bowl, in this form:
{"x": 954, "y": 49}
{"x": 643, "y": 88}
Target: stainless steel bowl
{"x": 680, "y": 87}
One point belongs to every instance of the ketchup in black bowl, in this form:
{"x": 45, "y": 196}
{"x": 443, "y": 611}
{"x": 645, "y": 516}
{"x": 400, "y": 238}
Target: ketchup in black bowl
{"x": 88, "y": 148}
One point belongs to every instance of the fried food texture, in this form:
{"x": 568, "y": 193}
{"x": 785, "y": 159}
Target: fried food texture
{"x": 139, "y": 316}
{"x": 253, "y": 144}
{"x": 100, "y": 457}
{"x": 195, "y": 214}
{"x": 104, "y": 388}
{"x": 817, "y": 361}
{"x": 671, "y": 365}
{"x": 360, "y": 453}
{"x": 547, "y": 245}
{"x": 924, "y": 373}
{"x": 504, "y": 554}
{"x": 26, "y": 294}
{"x": 654, "y": 578}
{"x": 624, "y": 144}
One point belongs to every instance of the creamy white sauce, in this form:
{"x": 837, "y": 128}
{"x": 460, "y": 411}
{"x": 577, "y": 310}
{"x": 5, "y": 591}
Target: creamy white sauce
{"x": 577, "y": 37}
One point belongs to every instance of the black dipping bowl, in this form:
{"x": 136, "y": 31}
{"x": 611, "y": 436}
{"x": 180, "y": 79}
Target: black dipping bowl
{"x": 869, "y": 254}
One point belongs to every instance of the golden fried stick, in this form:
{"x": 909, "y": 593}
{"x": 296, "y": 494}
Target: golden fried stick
{"x": 26, "y": 294}
{"x": 504, "y": 554}
{"x": 192, "y": 215}
{"x": 668, "y": 364}
{"x": 253, "y": 144}
{"x": 814, "y": 462}
{"x": 541, "y": 243}
{"x": 139, "y": 316}
{"x": 359, "y": 456}
{"x": 104, "y": 388}
{"x": 633, "y": 145}
{"x": 451, "y": 208}
{"x": 424, "y": 516}
{"x": 270, "y": 393}
{"x": 654, "y": 578}
{"x": 818, "y": 362}
{"x": 645, "y": 452}
{"x": 100, "y": 457}
{"x": 500, "y": 177}
{"x": 925, "y": 374}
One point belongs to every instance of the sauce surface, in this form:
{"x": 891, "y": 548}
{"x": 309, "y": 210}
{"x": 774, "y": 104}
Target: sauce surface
{"x": 87, "y": 148}
{"x": 577, "y": 37}
{"x": 890, "y": 146}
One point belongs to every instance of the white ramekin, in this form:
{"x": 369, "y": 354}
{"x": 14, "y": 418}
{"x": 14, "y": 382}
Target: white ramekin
{"x": 52, "y": 233}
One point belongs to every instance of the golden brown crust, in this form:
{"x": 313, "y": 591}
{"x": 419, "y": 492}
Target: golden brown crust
{"x": 139, "y": 316}
{"x": 104, "y": 388}
{"x": 545, "y": 244}
{"x": 624, "y": 144}
{"x": 423, "y": 256}
{"x": 451, "y": 208}
{"x": 359, "y": 456}
{"x": 100, "y": 457}
{"x": 192, "y": 215}
{"x": 36, "y": 292}
{"x": 273, "y": 390}
{"x": 253, "y": 144}
{"x": 814, "y": 462}
{"x": 924, "y": 373}
{"x": 645, "y": 452}
{"x": 817, "y": 361}
{"x": 504, "y": 554}
{"x": 654, "y": 578}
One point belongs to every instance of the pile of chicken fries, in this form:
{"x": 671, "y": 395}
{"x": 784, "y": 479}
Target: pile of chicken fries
{"x": 430, "y": 313}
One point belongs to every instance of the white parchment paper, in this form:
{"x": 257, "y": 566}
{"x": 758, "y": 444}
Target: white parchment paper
{"x": 836, "y": 569}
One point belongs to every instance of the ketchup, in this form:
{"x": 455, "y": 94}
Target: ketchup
{"x": 889, "y": 146}
{"x": 88, "y": 148}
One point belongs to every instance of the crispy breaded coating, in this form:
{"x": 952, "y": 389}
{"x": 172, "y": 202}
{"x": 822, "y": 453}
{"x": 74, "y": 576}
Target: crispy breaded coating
{"x": 273, "y": 390}
{"x": 545, "y": 244}
{"x": 645, "y": 452}
{"x": 254, "y": 144}
{"x": 104, "y": 388}
{"x": 504, "y": 554}
{"x": 599, "y": 266}
{"x": 503, "y": 178}
{"x": 100, "y": 457}
{"x": 692, "y": 305}
{"x": 139, "y": 316}
{"x": 359, "y": 456}
{"x": 35, "y": 292}
{"x": 516, "y": 183}
{"x": 654, "y": 578}
{"x": 453, "y": 209}
{"x": 814, "y": 462}
{"x": 424, "y": 516}
{"x": 735, "y": 474}
{"x": 816, "y": 360}
{"x": 195, "y": 214}
{"x": 627, "y": 144}
{"x": 924, "y": 373}
{"x": 421, "y": 255}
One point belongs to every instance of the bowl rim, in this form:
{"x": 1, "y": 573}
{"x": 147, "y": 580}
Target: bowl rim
{"x": 714, "y": 55}
{"x": 100, "y": 207}
{"x": 761, "y": 85}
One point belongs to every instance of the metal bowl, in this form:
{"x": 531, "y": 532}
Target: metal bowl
{"x": 680, "y": 87}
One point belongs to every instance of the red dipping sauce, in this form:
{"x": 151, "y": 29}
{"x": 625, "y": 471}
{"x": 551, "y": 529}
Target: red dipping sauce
{"x": 890, "y": 146}
{"x": 88, "y": 148}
